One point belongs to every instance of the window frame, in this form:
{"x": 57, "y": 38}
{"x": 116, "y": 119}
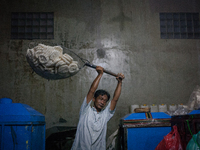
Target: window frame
{"x": 32, "y": 25}
{"x": 179, "y": 25}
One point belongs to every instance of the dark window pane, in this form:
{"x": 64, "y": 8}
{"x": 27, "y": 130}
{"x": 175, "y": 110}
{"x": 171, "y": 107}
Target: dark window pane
{"x": 169, "y": 22}
{"x": 29, "y": 15}
{"x": 176, "y": 29}
{"x": 176, "y": 16}
{"x": 21, "y": 22}
{"x": 163, "y": 29}
{"x": 170, "y": 36}
{"x": 29, "y": 22}
{"x": 36, "y": 29}
{"x": 189, "y": 16}
{"x": 36, "y": 36}
{"x": 177, "y": 35}
{"x": 197, "y": 29}
{"x": 183, "y": 23}
{"x": 43, "y": 22}
{"x": 190, "y": 30}
{"x": 182, "y": 16}
{"x": 183, "y": 35}
{"x": 190, "y": 35}
{"x": 36, "y": 15}
{"x": 170, "y": 30}
{"x": 49, "y": 22}
{"x": 43, "y": 29}
{"x": 176, "y": 23}
{"x": 189, "y": 23}
{"x": 196, "y": 35}
{"x": 28, "y": 29}
{"x": 36, "y": 22}
{"x": 14, "y": 29}
{"x": 163, "y": 35}
{"x": 43, "y": 36}
{"x": 50, "y": 29}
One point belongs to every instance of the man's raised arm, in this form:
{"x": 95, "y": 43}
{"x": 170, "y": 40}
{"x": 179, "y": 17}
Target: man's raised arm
{"x": 117, "y": 92}
{"x": 95, "y": 84}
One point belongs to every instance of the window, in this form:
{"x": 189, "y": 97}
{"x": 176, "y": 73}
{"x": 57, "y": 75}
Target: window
{"x": 28, "y": 25}
{"x": 179, "y": 26}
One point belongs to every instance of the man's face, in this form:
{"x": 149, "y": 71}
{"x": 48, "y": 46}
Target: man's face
{"x": 100, "y": 102}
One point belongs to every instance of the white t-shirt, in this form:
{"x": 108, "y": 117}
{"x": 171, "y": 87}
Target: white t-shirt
{"x": 92, "y": 127}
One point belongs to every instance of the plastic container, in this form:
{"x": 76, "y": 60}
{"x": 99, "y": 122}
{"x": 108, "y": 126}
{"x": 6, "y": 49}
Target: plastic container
{"x": 143, "y": 131}
{"x": 162, "y": 108}
{"x": 172, "y": 107}
{"x": 132, "y": 107}
{"x": 144, "y": 106}
{"x": 21, "y": 127}
{"x": 180, "y": 105}
{"x": 154, "y": 108}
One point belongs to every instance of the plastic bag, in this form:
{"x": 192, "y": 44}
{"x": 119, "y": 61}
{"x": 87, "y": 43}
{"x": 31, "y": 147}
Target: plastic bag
{"x": 178, "y": 111}
{"x": 194, "y": 101}
{"x": 194, "y": 143}
{"x": 193, "y": 104}
{"x": 171, "y": 141}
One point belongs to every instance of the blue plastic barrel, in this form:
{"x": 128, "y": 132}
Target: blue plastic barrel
{"x": 21, "y": 127}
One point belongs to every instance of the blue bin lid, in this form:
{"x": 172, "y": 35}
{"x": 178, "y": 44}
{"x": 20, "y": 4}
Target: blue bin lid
{"x": 17, "y": 112}
{"x": 138, "y": 116}
{"x": 194, "y": 112}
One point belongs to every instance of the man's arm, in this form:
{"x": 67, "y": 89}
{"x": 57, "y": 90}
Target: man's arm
{"x": 117, "y": 92}
{"x": 95, "y": 84}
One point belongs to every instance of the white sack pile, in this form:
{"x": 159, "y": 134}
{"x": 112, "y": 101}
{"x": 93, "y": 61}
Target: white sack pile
{"x": 50, "y": 62}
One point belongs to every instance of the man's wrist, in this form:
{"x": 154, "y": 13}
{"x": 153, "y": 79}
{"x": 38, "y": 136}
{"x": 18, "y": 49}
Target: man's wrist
{"x": 119, "y": 82}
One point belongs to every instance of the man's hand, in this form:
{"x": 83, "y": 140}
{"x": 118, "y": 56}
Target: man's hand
{"x": 120, "y": 77}
{"x": 99, "y": 69}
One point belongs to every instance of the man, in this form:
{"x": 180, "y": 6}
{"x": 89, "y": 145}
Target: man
{"x": 92, "y": 126}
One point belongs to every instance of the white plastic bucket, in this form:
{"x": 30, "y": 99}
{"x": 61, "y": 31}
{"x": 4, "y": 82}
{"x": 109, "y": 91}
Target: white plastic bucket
{"x": 154, "y": 108}
{"x": 162, "y": 108}
{"x": 132, "y": 107}
{"x": 180, "y": 105}
{"x": 144, "y": 106}
{"x": 172, "y": 107}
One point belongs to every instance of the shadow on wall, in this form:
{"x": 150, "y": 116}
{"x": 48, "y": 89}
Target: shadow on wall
{"x": 114, "y": 60}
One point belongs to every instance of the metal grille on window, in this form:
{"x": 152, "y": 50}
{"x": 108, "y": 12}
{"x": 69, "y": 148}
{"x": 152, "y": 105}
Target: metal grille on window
{"x": 29, "y": 25}
{"x": 179, "y": 26}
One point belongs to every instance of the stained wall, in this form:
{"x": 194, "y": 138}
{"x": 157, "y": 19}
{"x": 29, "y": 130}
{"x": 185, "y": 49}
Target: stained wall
{"x": 121, "y": 36}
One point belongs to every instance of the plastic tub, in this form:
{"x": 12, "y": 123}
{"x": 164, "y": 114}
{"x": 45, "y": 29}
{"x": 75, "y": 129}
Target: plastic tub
{"x": 132, "y": 107}
{"x": 172, "y": 107}
{"x": 162, "y": 108}
{"x": 154, "y": 108}
{"x": 144, "y": 106}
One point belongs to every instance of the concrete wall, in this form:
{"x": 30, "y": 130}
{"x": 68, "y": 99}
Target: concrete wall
{"x": 157, "y": 70}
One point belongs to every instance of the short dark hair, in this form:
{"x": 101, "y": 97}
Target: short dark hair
{"x": 101, "y": 92}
